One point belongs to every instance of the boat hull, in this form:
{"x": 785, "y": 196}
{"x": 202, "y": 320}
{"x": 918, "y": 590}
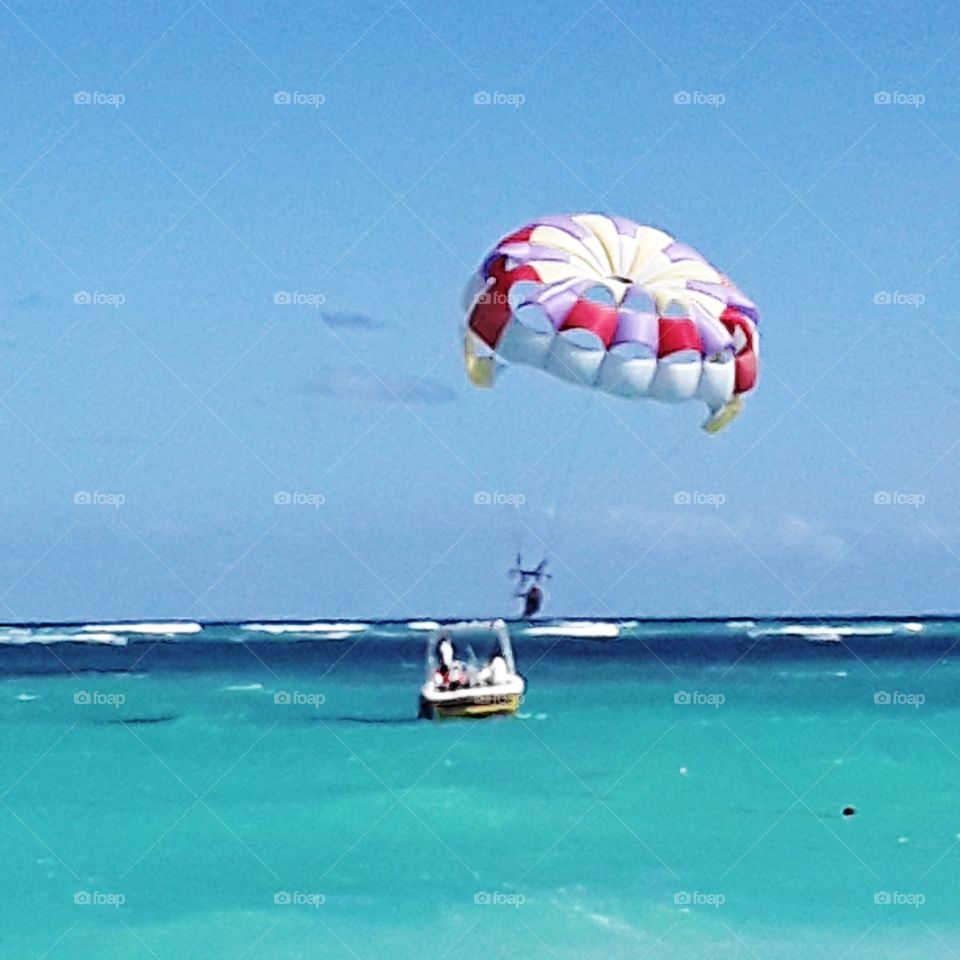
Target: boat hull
{"x": 470, "y": 706}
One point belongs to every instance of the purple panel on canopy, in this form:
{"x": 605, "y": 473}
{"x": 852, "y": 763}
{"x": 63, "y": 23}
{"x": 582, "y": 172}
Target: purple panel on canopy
{"x": 523, "y": 251}
{"x": 565, "y": 223}
{"x": 714, "y": 336}
{"x": 636, "y": 327}
{"x": 730, "y": 295}
{"x": 681, "y": 251}
{"x": 718, "y": 291}
{"x": 743, "y": 303}
{"x": 558, "y": 299}
{"x": 625, "y": 227}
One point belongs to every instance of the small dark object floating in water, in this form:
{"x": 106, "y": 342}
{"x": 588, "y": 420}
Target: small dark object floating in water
{"x": 848, "y": 811}
{"x": 375, "y": 720}
{"x": 132, "y": 721}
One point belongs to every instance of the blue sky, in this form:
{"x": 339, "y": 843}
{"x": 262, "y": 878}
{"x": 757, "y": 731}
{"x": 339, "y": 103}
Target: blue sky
{"x": 186, "y": 399}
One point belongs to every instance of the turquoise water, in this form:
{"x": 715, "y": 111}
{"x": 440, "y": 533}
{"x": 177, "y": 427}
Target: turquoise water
{"x": 675, "y": 790}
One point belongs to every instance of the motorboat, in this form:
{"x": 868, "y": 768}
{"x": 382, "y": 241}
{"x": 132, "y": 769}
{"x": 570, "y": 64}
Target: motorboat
{"x": 458, "y": 683}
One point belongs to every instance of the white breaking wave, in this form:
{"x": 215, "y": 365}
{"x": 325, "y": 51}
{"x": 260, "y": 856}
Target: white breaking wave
{"x": 20, "y": 637}
{"x": 597, "y": 630}
{"x": 822, "y": 636}
{"x": 913, "y": 627}
{"x": 110, "y": 638}
{"x": 245, "y": 686}
{"x": 423, "y": 625}
{"x": 161, "y": 629}
{"x": 821, "y": 632}
{"x": 280, "y": 628}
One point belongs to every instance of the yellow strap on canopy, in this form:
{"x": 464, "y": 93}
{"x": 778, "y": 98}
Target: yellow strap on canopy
{"x": 724, "y": 415}
{"x": 480, "y": 370}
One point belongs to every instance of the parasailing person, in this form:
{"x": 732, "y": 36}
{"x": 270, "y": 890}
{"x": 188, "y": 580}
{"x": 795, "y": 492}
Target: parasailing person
{"x": 528, "y": 586}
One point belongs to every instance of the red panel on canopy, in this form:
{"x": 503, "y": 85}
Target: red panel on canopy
{"x": 746, "y": 371}
{"x": 521, "y": 236}
{"x": 598, "y": 318}
{"x": 492, "y": 312}
{"x": 746, "y": 359}
{"x": 676, "y": 334}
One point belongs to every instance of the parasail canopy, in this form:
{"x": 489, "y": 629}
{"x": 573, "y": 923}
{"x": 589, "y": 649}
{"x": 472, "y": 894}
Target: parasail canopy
{"x": 613, "y": 305}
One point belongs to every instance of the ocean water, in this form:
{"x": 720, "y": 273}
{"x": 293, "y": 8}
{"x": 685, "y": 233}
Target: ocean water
{"x": 668, "y": 789}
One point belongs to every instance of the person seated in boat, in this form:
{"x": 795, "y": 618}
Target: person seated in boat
{"x": 495, "y": 672}
{"x": 444, "y": 652}
{"x": 458, "y": 676}
{"x": 450, "y": 673}
{"x": 444, "y": 657}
